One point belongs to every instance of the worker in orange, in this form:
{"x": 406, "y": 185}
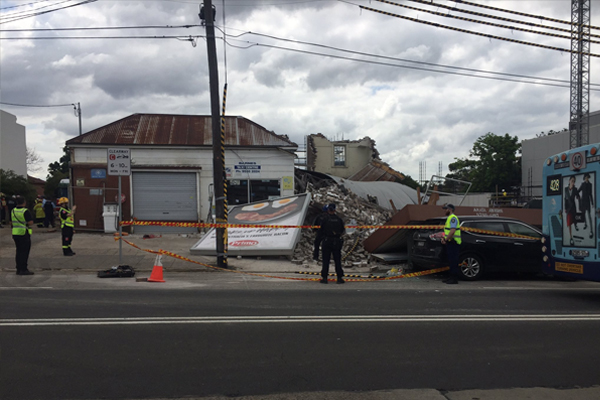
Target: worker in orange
{"x": 67, "y": 225}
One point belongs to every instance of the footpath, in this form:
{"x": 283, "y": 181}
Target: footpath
{"x": 100, "y": 251}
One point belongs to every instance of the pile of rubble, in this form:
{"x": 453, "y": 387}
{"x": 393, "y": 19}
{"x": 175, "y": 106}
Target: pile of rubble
{"x": 354, "y": 210}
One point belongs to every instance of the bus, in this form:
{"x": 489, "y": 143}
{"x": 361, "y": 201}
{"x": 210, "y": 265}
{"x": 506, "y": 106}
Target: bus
{"x": 571, "y": 213}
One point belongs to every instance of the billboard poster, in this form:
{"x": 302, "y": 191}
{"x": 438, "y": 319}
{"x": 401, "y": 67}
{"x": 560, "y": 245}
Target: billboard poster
{"x": 259, "y": 241}
{"x": 578, "y": 211}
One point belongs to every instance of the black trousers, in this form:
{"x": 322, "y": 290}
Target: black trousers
{"x": 67, "y": 238}
{"x": 453, "y": 252}
{"x": 23, "y": 243}
{"x": 318, "y": 240}
{"x": 49, "y": 220}
{"x": 332, "y": 246}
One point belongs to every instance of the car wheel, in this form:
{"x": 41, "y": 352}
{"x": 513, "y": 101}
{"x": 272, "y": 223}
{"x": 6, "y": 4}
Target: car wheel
{"x": 470, "y": 267}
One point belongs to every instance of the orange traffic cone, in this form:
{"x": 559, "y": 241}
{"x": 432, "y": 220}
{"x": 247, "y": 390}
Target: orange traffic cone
{"x": 157, "y": 271}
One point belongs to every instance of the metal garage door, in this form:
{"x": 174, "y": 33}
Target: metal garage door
{"x": 165, "y": 196}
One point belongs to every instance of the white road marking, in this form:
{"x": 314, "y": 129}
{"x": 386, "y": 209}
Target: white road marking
{"x": 24, "y": 287}
{"x": 296, "y": 319}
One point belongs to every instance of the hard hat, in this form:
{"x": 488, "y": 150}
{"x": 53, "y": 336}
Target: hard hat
{"x": 63, "y": 200}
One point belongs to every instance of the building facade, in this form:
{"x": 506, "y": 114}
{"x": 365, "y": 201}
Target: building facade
{"x": 172, "y": 169}
{"x": 534, "y": 153}
{"x": 13, "y": 145}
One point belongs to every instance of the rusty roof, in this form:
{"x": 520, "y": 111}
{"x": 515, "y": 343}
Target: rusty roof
{"x": 377, "y": 171}
{"x": 180, "y": 130}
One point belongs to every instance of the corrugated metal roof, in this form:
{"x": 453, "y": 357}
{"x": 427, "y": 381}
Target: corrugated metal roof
{"x": 180, "y": 130}
{"x": 377, "y": 171}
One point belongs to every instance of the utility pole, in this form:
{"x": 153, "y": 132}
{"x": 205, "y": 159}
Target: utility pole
{"x": 78, "y": 114}
{"x": 218, "y": 152}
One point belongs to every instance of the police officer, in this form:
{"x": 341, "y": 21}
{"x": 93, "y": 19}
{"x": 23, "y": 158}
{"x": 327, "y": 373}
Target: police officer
{"x": 452, "y": 241}
{"x": 21, "y": 222}
{"x": 67, "y": 225}
{"x": 319, "y": 236}
{"x": 332, "y": 229}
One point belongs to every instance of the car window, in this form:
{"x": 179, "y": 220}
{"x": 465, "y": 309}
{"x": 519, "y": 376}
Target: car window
{"x": 486, "y": 225}
{"x": 521, "y": 229}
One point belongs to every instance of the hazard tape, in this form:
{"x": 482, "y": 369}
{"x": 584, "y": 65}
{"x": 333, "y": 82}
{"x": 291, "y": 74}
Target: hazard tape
{"x": 246, "y": 226}
{"x": 345, "y": 275}
{"x": 179, "y": 257}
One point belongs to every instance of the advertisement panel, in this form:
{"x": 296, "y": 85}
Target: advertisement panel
{"x": 258, "y": 241}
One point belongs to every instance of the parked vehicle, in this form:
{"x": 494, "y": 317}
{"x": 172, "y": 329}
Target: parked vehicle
{"x": 480, "y": 252}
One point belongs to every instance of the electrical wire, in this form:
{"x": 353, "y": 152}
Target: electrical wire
{"x": 101, "y": 28}
{"x": 10, "y": 15}
{"x": 23, "y": 5}
{"x": 516, "y": 21}
{"x": 560, "y": 21}
{"x": 401, "y": 59}
{"x": 566, "y": 85}
{"x": 478, "y": 33}
{"x": 512, "y": 28}
{"x": 33, "y": 105}
{"x": 190, "y": 38}
{"x": 48, "y": 11}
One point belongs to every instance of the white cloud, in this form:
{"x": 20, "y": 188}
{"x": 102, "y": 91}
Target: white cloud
{"x": 413, "y": 115}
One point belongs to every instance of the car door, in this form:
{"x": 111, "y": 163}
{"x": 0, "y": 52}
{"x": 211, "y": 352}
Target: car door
{"x": 492, "y": 248}
{"x": 528, "y": 253}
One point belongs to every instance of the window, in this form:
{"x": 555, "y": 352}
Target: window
{"x": 264, "y": 189}
{"x": 486, "y": 226}
{"x": 237, "y": 192}
{"x": 339, "y": 156}
{"x": 523, "y": 230}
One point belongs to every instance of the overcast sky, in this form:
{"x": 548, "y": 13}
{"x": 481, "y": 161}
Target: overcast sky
{"x": 277, "y": 79}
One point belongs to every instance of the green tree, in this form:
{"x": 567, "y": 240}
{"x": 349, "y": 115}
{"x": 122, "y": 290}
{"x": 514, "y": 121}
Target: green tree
{"x": 13, "y": 184}
{"x": 494, "y": 160}
{"x": 61, "y": 165}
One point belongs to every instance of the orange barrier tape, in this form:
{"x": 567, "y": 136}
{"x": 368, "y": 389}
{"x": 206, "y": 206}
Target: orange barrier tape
{"x": 177, "y": 256}
{"x": 229, "y": 226}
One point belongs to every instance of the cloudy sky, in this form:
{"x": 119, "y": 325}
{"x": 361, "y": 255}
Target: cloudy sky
{"x": 295, "y": 67}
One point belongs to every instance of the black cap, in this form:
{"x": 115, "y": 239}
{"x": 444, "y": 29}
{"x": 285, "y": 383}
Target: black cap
{"x": 448, "y": 207}
{"x": 331, "y": 207}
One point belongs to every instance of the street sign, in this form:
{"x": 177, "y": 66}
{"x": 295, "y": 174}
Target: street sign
{"x": 119, "y": 162}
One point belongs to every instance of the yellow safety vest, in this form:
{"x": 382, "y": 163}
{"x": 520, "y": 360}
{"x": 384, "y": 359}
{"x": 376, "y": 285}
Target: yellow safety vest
{"x": 447, "y": 228}
{"x": 66, "y": 221}
{"x": 19, "y": 223}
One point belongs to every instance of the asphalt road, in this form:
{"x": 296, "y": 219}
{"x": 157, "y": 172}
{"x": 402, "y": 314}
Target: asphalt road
{"x": 241, "y": 337}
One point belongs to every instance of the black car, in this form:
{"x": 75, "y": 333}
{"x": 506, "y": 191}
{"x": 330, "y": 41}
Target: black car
{"x": 479, "y": 252}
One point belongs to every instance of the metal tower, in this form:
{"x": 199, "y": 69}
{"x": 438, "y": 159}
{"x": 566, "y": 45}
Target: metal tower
{"x": 580, "y": 73}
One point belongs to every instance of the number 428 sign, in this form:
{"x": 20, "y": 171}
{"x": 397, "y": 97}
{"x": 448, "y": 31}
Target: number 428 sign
{"x": 119, "y": 162}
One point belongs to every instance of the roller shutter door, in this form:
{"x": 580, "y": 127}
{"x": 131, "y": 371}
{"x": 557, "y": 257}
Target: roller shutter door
{"x": 165, "y": 196}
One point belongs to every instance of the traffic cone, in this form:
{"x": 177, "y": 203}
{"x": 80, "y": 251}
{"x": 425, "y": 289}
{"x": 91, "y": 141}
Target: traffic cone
{"x": 157, "y": 271}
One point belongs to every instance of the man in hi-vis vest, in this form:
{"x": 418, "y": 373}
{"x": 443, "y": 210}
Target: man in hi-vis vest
{"x": 452, "y": 241}
{"x": 21, "y": 221}
{"x": 67, "y": 225}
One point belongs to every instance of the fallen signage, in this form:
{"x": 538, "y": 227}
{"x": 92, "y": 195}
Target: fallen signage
{"x": 260, "y": 241}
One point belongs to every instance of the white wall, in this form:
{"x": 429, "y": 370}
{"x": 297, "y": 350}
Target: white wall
{"x": 13, "y": 145}
{"x": 274, "y": 164}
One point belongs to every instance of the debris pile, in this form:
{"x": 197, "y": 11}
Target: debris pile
{"x": 354, "y": 210}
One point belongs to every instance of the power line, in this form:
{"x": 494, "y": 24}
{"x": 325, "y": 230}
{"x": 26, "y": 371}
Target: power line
{"x": 33, "y": 105}
{"x": 512, "y": 28}
{"x": 10, "y": 15}
{"x": 100, "y": 28}
{"x": 48, "y": 11}
{"x": 402, "y": 59}
{"x": 23, "y": 5}
{"x": 516, "y": 21}
{"x": 560, "y": 21}
{"x": 476, "y": 33}
{"x": 398, "y": 65}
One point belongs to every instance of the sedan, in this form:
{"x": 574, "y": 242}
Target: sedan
{"x": 481, "y": 252}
